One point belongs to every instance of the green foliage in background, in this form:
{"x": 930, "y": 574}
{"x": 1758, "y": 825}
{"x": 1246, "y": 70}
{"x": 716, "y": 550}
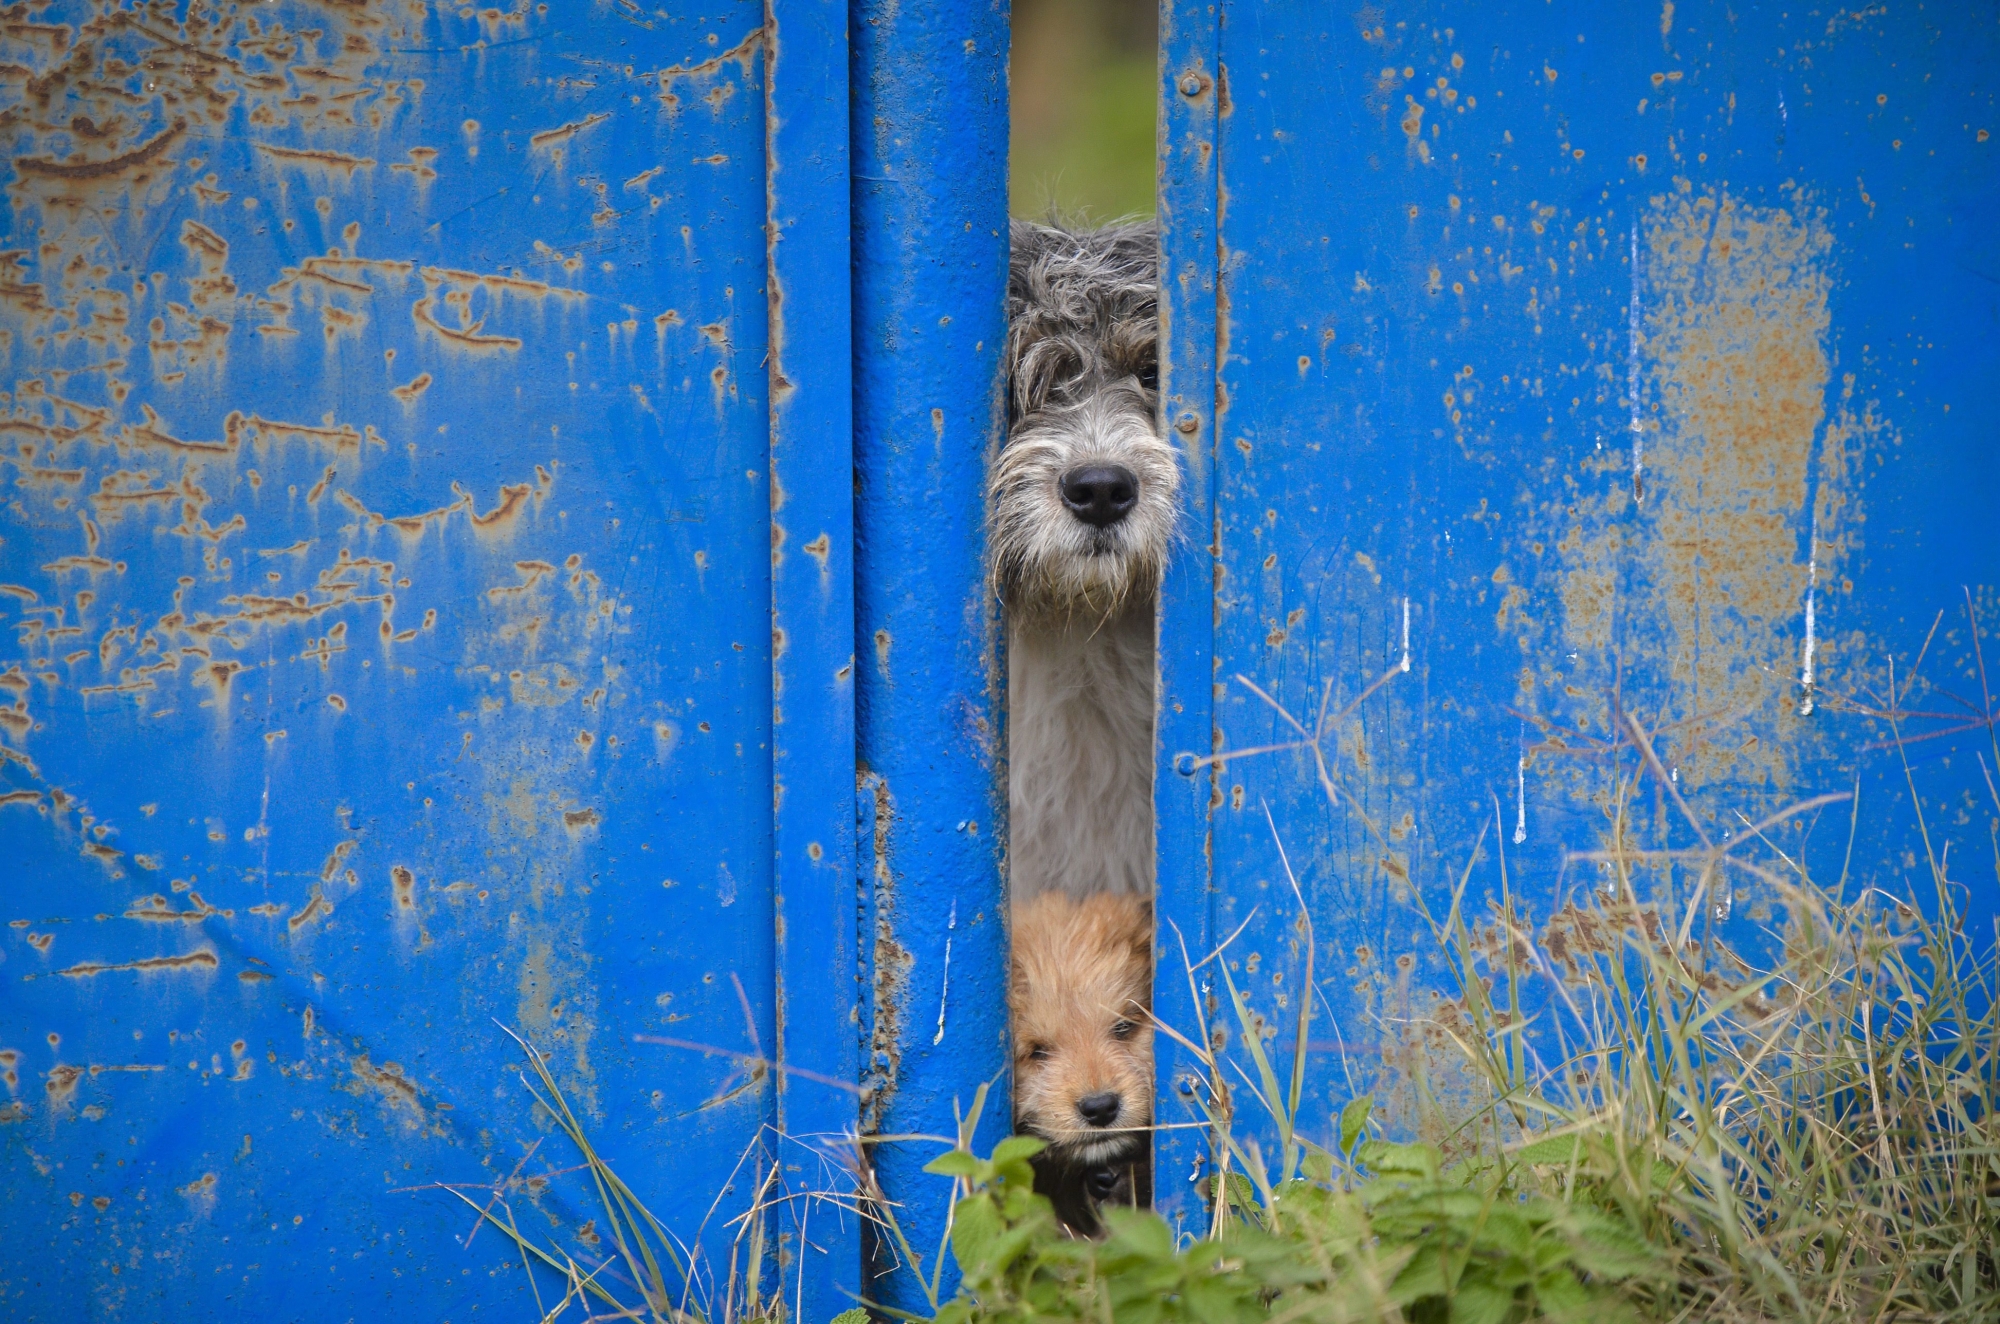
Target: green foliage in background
{"x": 1083, "y": 82}
{"x": 1097, "y": 165}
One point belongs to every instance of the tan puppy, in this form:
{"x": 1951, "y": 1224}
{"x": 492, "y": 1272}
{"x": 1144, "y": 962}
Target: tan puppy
{"x": 1083, "y": 1046}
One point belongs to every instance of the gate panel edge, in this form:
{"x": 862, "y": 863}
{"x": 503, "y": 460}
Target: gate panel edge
{"x": 929, "y": 147}
{"x": 812, "y": 640}
{"x": 1185, "y": 785}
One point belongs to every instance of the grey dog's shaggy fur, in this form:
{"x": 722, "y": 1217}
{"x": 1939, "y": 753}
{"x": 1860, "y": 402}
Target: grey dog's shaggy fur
{"x": 1082, "y": 354}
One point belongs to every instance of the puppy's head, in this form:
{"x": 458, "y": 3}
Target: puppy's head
{"x": 1083, "y": 497}
{"x": 1083, "y": 1041}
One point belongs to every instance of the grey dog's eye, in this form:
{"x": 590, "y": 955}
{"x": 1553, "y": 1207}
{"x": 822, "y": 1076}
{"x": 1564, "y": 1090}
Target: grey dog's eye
{"x": 1038, "y": 1052}
{"x": 1149, "y": 374}
{"x": 1123, "y": 1030}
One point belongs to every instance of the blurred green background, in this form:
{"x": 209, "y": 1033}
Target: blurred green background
{"x": 1083, "y": 81}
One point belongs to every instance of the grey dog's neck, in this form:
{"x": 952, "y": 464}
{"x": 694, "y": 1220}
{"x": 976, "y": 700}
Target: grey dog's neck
{"x": 1080, "y": 704}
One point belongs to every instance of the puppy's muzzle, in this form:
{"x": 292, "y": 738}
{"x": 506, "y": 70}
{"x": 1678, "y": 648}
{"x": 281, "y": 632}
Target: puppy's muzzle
{"x": 1100, "y": 494}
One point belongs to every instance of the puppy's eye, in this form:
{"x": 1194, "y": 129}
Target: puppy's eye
{"x": 1038, "y": 1052}
{"x": 1149, "y": 374}
{"x": 1124, "y": 1030}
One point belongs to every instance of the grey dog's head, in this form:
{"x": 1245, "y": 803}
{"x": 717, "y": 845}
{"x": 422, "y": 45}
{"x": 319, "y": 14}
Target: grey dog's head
{"x": 1083, "y": 497}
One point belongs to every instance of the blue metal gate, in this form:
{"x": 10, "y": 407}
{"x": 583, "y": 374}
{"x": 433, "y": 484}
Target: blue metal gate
{"x": 465, "y": 533}
{"x": 429, "y": 572}
{"x": 1555, "y": 380}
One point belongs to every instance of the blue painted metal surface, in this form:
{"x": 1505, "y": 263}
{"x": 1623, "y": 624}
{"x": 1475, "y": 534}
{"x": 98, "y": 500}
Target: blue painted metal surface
{"x": 930, "y": 255}
{"x": 1184, "y": 910}
{"x": 389, "y": 565}
{"x": 812, "y": 640}
{"x": 1571, "y": 365}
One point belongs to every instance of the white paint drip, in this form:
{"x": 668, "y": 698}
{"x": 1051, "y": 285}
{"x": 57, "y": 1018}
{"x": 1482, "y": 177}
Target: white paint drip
{"x": 1406, "y": 634}
{"x": 1520, "y": 800}
{"x": 1632, "y": 372}
{"x": 944, "y": 993}
{"x": 1812, "y": 590}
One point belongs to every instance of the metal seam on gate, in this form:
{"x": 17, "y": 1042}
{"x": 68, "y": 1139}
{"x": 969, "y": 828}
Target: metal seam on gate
{"x": 807, "y": 236}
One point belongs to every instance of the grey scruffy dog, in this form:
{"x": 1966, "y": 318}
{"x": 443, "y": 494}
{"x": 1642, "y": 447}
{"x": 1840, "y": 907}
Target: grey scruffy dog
{"x": 1082, "y": 506}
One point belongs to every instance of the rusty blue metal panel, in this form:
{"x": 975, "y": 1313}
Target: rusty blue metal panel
{"x": 1578, "y": 366}
{"x": 1187, "y": 211}
{"x": 930, "y": 253}
{"x": 387, "y": 563}
{"x": 812, "y": 632}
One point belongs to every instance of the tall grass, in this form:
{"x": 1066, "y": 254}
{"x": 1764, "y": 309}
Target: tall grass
{"x": 637, "y": 1269}
{"x": 1815, "y": 1140}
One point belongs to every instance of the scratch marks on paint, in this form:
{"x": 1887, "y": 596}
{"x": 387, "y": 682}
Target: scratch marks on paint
{"x": 316, "y": 907}
{"x": 893, "y": 962}
{"x": 1806, "y": 678}
{"x": 1520, "y": 799}
{"x": 186, "y": 521}
{"x": 318, "y": 161}
{"x": 391, "y": 1087}
{"x": 944, "y": 990}
{"x": 158, "y": 909}
{"x": 1633, "y": 341}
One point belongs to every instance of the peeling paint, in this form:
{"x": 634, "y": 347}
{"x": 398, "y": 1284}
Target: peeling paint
{"x": 1741, "y": 420}
{"x": 192, "y": 962}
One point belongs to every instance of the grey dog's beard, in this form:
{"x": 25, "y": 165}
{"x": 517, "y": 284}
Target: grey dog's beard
{"x": 1070, "y": 599}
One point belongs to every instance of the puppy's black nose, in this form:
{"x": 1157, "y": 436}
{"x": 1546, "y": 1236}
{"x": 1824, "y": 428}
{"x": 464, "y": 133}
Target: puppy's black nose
{"x": 1099, "y": 1109}
{"x": 1100, "y": 494}
{"x": 1101, "y": 1182}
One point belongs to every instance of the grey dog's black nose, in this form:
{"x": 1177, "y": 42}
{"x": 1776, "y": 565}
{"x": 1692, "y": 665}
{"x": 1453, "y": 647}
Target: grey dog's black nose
{"x": 1100, "y": 494}
{"x": 1099, "y": 1109}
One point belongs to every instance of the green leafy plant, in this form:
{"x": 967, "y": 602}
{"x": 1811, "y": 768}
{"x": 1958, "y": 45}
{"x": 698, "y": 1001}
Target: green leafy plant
{"x": 1396, "y": 1237}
